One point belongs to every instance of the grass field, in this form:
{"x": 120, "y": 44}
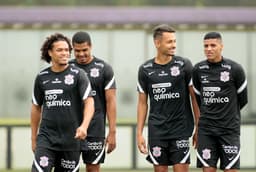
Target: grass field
{"x": 125, "y": 170}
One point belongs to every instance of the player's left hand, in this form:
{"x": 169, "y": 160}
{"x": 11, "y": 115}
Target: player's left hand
{"x": 33, "y": 145}
{"x": 81, "y": 133}
{"x": 141, "y": 143}
{"x": 111, "y": 142}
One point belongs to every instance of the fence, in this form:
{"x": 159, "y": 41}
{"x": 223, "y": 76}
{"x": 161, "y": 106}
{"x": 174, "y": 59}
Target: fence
{"x": 16, "y": 151}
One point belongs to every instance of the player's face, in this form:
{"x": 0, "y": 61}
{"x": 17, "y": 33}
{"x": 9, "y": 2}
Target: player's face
{"x": 213, "y": 49}
{"x": 82, "y": 53}
{"x": 60, "y": 53}
{"x": 166, "y": 45}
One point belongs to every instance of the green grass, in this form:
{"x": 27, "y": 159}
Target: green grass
{"x": 14, "y": 121}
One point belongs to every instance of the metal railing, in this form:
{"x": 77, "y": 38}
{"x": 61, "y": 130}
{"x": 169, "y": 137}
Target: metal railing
{"x": 134, "y": 153}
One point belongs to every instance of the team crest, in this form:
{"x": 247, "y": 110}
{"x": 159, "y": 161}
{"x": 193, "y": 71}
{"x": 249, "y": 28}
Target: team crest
{"x": 94, "y": 72}
{"x": 44, "y": 161}
{"x": 224, "y": 76}
{"x": 175, "y": 71}
{"x": 156, "y": 151}
{"x": 206, "y": 154}
{"x": 69, "y": 79}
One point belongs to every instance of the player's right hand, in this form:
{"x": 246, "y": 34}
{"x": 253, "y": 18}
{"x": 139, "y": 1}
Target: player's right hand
{"x": 142, "y": 145}
{"x": 81, "y": 133}
{"x": 33, "y": 146}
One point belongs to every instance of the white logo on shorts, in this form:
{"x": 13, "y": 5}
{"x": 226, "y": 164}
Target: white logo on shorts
{"x": 67, "y": 164}
{"x": 206, "y": 154}
{"x": 44, "y": 161}
{"x": 229, "y": 149}
{"x": 156, "y": 151}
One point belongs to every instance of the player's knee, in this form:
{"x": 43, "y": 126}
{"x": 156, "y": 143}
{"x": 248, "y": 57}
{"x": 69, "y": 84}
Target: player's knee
{"x": 92, "y": 168}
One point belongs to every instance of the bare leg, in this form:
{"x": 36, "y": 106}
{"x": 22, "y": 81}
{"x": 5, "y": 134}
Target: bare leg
{"x": 92, "y": 168}
{"x": 209, "y": 169}
{"x": 231, "y": 170}
{"x": 160, "y": 168}
{"x": 180, "y": 167}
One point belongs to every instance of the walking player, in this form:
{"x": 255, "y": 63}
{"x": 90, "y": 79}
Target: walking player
{"x": 103, "y": 84}
{"x": 58, "y": 122}
{"x": 166, "y": 80}
{"x": 221, "y": 90}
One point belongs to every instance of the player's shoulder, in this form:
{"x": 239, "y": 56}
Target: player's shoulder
{"x": 231, "y": 64}
{"x": 203, "y": 64}
{"x": 75, "y": 70}
{"x": 44, "y": 71}
{"x": 147, "y": 64}
{"x": 176, "y": 57}
{"x": 181, "y": 60}
{"x": 99, "y": 62}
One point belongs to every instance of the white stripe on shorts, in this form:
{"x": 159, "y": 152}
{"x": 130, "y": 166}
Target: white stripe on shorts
{"x": 38, "y": 166}
{"x": 152, "y": 158}
{"x": 96, "y": 161}
{"x": 233, "y": 161}
{"x": 77, "y": 168}
{"x": 201, "y": 159}
{"x": 185, "y": 158}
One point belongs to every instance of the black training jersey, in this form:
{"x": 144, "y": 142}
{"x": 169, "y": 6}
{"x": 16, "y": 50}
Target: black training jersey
{"x": 102, "y": 78}
{"x": 221, "y": 90}
{"x": 170, "y": 114}
{"x": 61, "y": 96}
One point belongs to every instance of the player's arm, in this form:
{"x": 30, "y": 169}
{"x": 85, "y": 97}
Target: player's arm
{"x": 110, "y": 97}
{"x": 193, "y": 99}
{"x": 196, "y": 113}
{"x": 85, "y": 89}
{"x": 242, "y": 98}
{"x": 196, "y": 86}
{"x": 35, "y": 119}
{"x": 111, "y": 116}
{"x": 88, "y": 112}
{"x": 142, "y": 108}
{"x": 241, "y": 85}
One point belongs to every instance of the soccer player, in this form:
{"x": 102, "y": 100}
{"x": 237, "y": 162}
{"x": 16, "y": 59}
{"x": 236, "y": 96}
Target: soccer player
{"x": 58, "y": 121}
{"x": 166, "y": 80}
{"x": 103, "y": 84}
{"x": 221, "y": 90}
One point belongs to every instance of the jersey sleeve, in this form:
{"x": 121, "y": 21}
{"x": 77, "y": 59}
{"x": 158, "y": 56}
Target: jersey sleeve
{"x": 241, "y": 85}
{"x": 37, "y": 93}
{"x": 141, "y": 85}
{"x": 109, "y": 79}
{"x": 84, "y": 85}
{"x": 196, "y": 84}
{"x": 188, "y": 71}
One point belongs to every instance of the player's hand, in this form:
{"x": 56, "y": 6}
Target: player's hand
{"x": 142, "y": 145}
{"x": 111, "y": 142}
{"x": 33, "y": 146}
{"x": 81, "y": 133}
